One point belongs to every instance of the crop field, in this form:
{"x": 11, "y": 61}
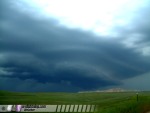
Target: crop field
{"x": 110, "y": 102}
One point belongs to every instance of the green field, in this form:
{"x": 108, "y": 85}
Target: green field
{"x": 121, "y": 102}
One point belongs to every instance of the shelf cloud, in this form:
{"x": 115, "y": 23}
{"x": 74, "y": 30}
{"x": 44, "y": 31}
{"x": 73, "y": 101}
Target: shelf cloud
{"x": 40, "y": 54}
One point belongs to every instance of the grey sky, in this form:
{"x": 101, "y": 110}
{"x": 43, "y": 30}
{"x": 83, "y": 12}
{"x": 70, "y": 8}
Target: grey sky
{"x": 37, "y": 53}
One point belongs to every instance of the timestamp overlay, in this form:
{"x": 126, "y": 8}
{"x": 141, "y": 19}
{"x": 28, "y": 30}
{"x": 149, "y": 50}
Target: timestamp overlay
{"x": 48, "y": 108}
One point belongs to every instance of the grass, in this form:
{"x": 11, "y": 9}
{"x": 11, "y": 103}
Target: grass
{"x": 121, "y": 102}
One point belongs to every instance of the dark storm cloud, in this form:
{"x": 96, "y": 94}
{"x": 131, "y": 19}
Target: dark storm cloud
{"x": 40, "y": 55}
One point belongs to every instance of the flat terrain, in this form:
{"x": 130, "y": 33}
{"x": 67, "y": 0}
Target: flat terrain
{"x": 119, "y": 102}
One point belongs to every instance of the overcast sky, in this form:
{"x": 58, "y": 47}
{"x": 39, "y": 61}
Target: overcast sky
{"x": 64, "y": 45}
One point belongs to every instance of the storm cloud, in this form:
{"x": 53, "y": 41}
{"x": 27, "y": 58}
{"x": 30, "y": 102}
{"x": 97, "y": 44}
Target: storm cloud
{"x": 39, "y": 54}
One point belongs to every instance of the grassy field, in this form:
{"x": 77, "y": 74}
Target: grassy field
{"x": 121, "y": 102}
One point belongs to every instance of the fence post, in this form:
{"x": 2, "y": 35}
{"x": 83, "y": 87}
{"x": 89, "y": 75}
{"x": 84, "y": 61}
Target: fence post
{"x": 137, "y": 97}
